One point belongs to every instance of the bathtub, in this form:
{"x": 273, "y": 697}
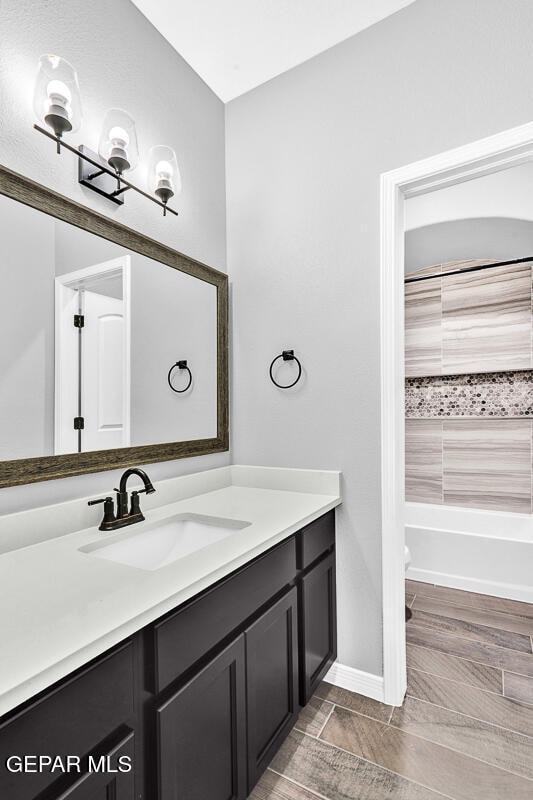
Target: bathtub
{"x": 481, "y": 551}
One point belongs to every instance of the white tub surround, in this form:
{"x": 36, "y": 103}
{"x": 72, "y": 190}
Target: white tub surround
{"x": 490, "y": 552}
{"x": 62, "y": 607}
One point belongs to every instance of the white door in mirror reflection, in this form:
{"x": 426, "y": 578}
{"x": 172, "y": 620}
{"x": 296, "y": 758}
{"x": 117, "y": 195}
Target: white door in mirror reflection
{"x": 93, "y": 358}
{"x": 102, "y": 373}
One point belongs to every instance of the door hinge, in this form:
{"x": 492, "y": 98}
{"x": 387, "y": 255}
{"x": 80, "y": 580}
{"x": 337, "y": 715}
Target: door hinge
{"x": 79, "y": 423}
{"x": 79, "y": 321}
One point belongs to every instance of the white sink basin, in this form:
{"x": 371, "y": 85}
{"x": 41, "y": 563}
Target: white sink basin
{"x": 166, "y": 542}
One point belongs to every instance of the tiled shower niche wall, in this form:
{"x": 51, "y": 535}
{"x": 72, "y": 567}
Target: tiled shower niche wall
{"x": 469, "y": 388}
{"x": 485, "y": 394}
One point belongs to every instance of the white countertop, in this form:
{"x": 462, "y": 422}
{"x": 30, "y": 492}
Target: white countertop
{"x": 62, "y": 607}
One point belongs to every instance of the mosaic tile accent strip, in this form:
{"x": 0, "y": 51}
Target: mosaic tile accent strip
{"x": 488, "y": 394}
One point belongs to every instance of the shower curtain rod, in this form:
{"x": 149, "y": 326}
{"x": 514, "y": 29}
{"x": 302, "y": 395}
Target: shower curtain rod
{"x": 475, "y": 268}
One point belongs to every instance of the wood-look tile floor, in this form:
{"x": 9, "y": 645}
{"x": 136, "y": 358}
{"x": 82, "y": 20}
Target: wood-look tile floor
{"x": 464, "y": 732}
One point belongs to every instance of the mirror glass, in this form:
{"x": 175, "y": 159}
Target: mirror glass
{"x": 90, "y": 332}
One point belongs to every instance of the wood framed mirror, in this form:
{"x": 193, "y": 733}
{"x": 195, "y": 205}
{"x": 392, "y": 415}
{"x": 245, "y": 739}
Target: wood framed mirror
{"x": 151, "y": 308}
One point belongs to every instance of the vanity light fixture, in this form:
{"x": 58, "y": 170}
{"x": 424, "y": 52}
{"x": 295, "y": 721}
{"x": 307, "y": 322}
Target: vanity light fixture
{"x": 56, "y": 98}
{"x": 118, "y": 141}
{"x": 164, "y": 177}
{"x": 57, "y": 103}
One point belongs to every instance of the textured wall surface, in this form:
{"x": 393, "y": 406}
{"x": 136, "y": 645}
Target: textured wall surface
{"x": 304, "y": 156}
{"x": 27, "y": 369}
{"x": 121, "y": 61}
{"x": 490, "y": 394}
{"x": 468, "y": 432}
{"x": 473, "y": 463}
{"x": 469, "y": 322}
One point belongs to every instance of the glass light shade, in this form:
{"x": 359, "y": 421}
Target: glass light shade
{"x": 118, "y": 141}
{"x": 164, "y": 178}
{"x": 56, "y": 98}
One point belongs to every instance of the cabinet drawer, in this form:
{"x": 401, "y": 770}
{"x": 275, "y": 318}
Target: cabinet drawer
{"x": 70, "y": 720}
{"x": 315, "y": 539}
{"x": 189, "y": 634}
{"x": 105, "y": 785}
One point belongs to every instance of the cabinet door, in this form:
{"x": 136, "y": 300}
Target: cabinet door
{"x": 318, "y": 625}
{"x": 73, "y": 718}
{"x": 272, "y": 682}
{"x": 202, "y": 733}
{"x": 108, "y": 785}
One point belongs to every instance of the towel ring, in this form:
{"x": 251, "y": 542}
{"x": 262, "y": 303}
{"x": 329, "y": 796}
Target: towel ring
{"x": 286, "y": 355}
{"x": 179, "y": 365}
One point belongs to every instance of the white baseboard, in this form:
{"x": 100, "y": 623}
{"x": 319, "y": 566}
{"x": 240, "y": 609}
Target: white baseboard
{"x": 510, "y": 591}
{"x": 355, "y": 680}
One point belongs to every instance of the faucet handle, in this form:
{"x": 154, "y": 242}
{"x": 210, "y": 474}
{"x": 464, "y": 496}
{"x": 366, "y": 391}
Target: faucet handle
{"x": 109, "y": 509}
{"x": 135, "y": 504}
{"x": 100, "y": 500}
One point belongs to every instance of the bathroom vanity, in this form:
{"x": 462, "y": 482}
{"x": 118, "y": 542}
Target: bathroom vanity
{"x": 170, "y": 659}
{"x": 198, "y": 699}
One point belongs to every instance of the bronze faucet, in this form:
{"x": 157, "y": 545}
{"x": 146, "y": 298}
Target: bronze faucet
{"x": 123, "y": 517}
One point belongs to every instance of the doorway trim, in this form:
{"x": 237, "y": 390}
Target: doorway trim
{"x": 103, "y": 269}
{"x": 500, "y": 151}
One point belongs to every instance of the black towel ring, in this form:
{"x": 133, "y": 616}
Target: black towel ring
{"x": 179, "y": 365}
{"x": 286, "y": 355}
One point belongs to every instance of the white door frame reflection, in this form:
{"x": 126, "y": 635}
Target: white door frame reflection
{"x": 92, "y": 363}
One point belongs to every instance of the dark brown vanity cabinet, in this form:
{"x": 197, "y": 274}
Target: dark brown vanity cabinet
{"x": 201, "y": 733}
{"x": 200, "y": 700}
{"x": 90, "y": 715}
{"x": 218, "y": 732}
{"x": 249, "y": 690}
{"x": 104, "y": 785}
{"x": 318, "y": 625}
{"x": 271, "y": 681}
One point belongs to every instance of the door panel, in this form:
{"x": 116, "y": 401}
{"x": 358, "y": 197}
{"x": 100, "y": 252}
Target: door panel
{"x": 202, "y": 733}
{"x": 272, "y": 682}
{"x": 104, "y": 389}
{"x": 318, "y": 625}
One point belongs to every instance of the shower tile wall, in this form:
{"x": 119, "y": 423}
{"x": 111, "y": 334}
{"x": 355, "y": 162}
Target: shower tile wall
{"x": 469, "y": 388}
{"x": 485, "y": 394}
{"x": 486, "y": 320}
{"x": 487, "y": 464}
{"x": 474, "y": 463}
{"x": 423, "y": 328}
{"x": 423, "y": 460}
{"x": 469, "y": 323}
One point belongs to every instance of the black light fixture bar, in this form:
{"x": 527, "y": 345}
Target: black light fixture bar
{"x": 122, "y": 183}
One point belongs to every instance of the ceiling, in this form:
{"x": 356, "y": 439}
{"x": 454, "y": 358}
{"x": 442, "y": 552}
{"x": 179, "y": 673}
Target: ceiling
{"x": 236, "y": 45}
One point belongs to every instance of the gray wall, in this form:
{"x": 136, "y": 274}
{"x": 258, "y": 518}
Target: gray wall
{"x": 121, "y": 61}
{"x": 304, "y": 156}
{"x": 27, "y": 332}
{"x": 498, "y": 238}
